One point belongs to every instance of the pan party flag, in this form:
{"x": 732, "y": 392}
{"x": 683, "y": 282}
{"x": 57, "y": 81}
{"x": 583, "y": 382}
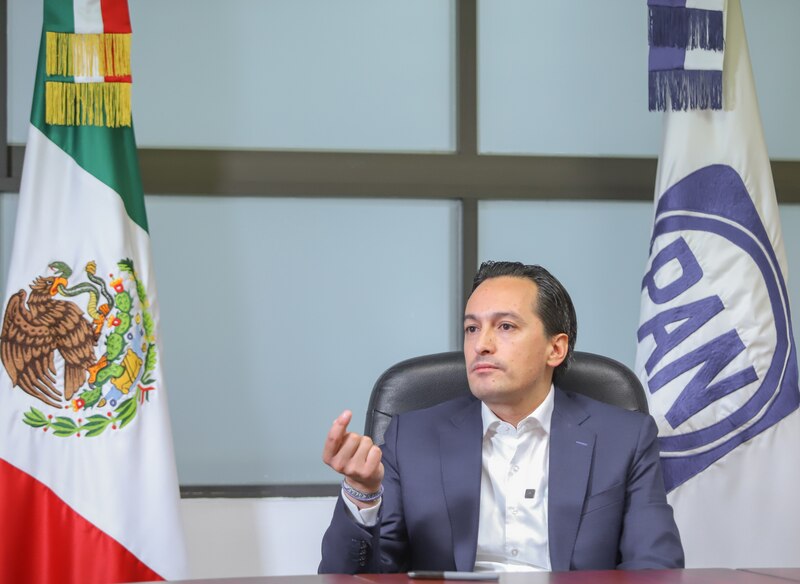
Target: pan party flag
{"x": 716, "y": 350}
{"x": 88, "y": 489}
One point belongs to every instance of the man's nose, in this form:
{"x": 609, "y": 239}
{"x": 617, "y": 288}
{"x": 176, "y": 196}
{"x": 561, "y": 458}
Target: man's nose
{"x": 484, "y": 344}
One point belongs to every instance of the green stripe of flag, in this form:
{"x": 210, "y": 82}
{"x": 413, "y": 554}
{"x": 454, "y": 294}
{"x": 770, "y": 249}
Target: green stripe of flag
{"x": 59, "y": 16}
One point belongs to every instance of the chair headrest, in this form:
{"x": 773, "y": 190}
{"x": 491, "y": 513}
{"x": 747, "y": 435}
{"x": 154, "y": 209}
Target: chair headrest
{"x": 425, "y": 381}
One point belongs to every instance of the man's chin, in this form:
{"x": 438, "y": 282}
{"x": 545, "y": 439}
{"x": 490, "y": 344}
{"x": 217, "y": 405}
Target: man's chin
{"x": 486, "y": 391}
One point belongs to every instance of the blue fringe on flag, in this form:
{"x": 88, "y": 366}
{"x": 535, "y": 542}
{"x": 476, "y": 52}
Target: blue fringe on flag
{"x": 688, "y": 28}
{"x": 683, "y": 90}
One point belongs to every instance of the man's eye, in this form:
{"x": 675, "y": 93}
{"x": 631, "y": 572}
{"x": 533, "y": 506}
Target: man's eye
{"x": 470, "y": 329}
{"x": 506, "y": 326}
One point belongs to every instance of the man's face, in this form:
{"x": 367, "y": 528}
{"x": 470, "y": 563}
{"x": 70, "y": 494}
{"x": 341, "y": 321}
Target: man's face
{"x": 510, "y": 359}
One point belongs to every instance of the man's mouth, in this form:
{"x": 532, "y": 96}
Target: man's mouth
{"x": 483, "y": 367}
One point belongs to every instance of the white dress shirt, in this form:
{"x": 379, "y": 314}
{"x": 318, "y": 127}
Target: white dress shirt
{"x": 512, "y": 529}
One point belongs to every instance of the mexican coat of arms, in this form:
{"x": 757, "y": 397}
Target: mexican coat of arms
{"x": 103, "y": 332}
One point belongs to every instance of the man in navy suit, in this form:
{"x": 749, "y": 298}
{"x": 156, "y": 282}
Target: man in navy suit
{"x": 517, "y": 476}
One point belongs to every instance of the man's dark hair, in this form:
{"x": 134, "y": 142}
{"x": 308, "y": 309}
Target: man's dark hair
{"x": 553, "y": 304}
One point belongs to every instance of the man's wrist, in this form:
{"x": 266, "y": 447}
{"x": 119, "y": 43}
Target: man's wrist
{"x": 361, "y": 496}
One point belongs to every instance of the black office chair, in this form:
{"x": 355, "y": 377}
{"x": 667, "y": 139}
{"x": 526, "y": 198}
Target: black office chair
{"x": 425, "y": 381}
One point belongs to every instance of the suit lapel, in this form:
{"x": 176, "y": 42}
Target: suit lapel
{"x": 571, "y": 450}
{"x": 460, "y": 450}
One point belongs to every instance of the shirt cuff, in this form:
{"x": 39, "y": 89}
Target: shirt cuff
{"x": 366, "y": 517}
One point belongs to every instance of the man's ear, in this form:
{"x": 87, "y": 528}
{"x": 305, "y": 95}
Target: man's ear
{"x": 559, "y": 344}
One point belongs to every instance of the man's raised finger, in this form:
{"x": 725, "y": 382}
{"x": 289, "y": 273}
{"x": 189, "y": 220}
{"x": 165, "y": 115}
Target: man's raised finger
{"x": 336, "y": 435}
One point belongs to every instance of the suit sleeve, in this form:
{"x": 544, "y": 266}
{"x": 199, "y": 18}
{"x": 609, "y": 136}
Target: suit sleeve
{"x": 351, "y": 548}
{"x": 650, "y": 537}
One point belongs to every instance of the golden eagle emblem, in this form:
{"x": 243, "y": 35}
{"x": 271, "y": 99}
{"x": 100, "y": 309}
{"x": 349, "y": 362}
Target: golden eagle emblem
{"x": 33, "y": 333}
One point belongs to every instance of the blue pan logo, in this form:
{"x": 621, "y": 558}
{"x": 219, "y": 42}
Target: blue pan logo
{"x": 721, "y": 357}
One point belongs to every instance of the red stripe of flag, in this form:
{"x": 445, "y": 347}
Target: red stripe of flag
{"x": 42, "y": 539}
{"x": 116, "y": 18}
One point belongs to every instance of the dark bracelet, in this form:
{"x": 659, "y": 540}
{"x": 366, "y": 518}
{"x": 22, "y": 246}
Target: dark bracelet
{"x": 359, "y": 495}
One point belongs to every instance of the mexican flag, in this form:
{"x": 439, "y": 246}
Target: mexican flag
{"x": 88, "y": 488}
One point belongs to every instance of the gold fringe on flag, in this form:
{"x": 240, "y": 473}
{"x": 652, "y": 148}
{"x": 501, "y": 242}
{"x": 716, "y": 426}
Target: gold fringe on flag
{"x": 88, "y": 104}
{"x": 88, "y": 55}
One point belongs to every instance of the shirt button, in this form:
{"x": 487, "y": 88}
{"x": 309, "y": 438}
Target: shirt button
{"x": 515, "y": 468}
{"x": 513, "y": 510}
{"x": 514, "y": 552}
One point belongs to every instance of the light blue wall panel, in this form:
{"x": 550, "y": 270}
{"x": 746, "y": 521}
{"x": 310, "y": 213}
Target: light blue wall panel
{"x": 571, "y": 77}
{"x": 24, "y": 32}
{"x": 8, "y": 214}
{"x": 284, "y": 74}
{"x": 599, "y": 251}
{"x": 564, "y": 78}
{"x": 277, "y": 314}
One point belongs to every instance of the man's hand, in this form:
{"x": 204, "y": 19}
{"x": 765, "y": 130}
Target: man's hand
{"x": 355, "y": 456}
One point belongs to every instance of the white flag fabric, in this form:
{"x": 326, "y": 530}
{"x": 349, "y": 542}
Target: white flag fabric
{"x": 88, "y": 487}
{"x": 716, "y": 350}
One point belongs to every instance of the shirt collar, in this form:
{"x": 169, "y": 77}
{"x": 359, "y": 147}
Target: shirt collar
{"x": 540, "y": 417}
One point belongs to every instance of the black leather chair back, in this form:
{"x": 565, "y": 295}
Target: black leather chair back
{"x": 425, "y": 381}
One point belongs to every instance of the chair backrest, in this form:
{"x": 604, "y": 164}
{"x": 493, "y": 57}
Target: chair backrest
{"x": 425, "y": 381}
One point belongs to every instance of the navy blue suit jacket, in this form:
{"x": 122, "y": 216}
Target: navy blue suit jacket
{"x": 607, "y": 507}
